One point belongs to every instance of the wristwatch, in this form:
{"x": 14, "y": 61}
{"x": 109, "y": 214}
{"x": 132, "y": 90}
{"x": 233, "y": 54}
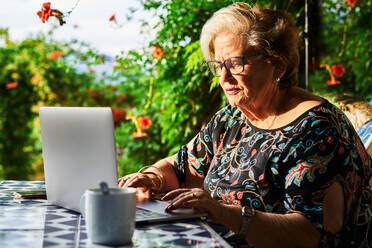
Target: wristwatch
{"x": 247, "y": 214}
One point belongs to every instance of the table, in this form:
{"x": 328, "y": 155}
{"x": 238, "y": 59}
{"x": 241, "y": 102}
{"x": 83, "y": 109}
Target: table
{"x": 40, "y": 224}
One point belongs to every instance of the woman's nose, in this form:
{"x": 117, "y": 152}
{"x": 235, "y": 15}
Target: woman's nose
{"x": 225, "y": 74}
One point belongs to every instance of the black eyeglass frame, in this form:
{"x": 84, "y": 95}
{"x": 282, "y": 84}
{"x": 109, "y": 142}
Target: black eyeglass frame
{"x": 223, "y": 64}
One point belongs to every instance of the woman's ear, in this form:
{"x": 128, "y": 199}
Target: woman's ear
{"x": 280, "y": 68}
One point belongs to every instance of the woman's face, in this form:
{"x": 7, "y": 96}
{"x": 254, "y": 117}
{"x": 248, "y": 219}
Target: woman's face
{"x": 252, "y": 88}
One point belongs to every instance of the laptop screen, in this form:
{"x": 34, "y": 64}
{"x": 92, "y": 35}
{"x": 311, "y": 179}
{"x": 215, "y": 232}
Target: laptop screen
{"x": 78, "y": 151}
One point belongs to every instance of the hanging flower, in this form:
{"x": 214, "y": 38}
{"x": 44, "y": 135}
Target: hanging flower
{"x": 113, "y": 18}
{"x": 158, "y": 53}
{"x": 338, "y": 70}
{"x": 144, "y": 122}
{"x": 139, "y": 134}
{"x": 352, "y": 3}
{"x": 47, "y": 12}
{"x": 12, "y": 85}
{"x": 55, "y": 55}
{"x": 333, "y": 81}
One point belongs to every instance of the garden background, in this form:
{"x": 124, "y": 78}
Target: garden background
{"x": 162, "y": 93}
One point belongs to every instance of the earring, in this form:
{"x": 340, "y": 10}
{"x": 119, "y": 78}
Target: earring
{"x": 277, "y": 80}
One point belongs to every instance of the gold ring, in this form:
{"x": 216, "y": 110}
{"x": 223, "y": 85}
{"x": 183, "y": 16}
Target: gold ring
{"x": 194, "y": 195}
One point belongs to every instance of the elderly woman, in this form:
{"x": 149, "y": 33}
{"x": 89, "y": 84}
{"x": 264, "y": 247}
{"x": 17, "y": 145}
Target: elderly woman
{"x": 278, "y": 166}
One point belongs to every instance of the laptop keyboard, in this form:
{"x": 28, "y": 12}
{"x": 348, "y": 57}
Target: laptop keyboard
{"x": 143, "y": 214}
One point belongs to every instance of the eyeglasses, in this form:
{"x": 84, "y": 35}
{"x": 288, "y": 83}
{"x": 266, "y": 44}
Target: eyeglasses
{"x": 235, "y": 65}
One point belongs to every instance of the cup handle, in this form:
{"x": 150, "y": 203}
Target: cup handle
{"x": 82, "y": 204}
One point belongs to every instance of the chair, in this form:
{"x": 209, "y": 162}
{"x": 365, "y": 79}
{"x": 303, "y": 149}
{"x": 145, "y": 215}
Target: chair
{"x": 365, "y": 134}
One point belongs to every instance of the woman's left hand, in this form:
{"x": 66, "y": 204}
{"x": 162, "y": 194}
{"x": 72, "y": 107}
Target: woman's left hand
{"x": 194, "y": 198}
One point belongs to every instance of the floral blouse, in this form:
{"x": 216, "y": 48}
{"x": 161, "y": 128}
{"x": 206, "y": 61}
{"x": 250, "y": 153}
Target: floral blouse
{"x": 286, "y": 170}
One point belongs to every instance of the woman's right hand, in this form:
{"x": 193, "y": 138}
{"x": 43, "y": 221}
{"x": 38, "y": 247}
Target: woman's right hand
{"x": 138, "y": 180}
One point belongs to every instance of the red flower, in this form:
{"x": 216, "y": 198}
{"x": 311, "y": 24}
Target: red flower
{"x": 11, "y": 85}
{"x": 46, "y": 12}
{"x": 158, "y": 53}
{"x": 118, "y": 115}
{"x": 92, "y": 93}
{"x": 55, "y": 55}
{"x": 139, "y": 134}
{"x": 352, "y": 3}
{"x": 113, "y": 18}
{"x": 121, "y": 98}
{"x": 144, "y": 122}
{"x": 333, "y": 82}
{"x": 338, "y": 70}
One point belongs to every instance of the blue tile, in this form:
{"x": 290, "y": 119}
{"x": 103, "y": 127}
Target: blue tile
{"x": 70, "y": 236}
{"x": 48, "y": 243}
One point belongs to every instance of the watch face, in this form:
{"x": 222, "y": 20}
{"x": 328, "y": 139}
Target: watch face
{"x": 247, "y": 211}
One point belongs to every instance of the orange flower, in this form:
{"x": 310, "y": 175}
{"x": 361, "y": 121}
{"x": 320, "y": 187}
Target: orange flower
{"x": 11, "y": 85}
{"x": 46, "y": 12}
{"x": 55, "y": 55}
{"x": 139, "y": 134}
{"x": 113, "y": 18}
{"x": 338, "y": 70}
{"x": 144, "y": 122}
{"x": 333, "y": 81}
{"x": 158, "y": 53}
{"x": 352, "y": 3}
{"x": 138, "y": 122}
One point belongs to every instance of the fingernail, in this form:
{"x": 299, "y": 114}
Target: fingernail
{"x": 163, "y": 198}
{"x": 170, "y": 207}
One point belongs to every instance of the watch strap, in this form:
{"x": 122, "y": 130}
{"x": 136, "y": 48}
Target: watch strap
{"x": 247, "y": 214}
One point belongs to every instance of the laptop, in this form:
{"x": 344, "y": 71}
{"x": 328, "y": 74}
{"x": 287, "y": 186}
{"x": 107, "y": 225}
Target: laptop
{"x": 78, "y": 146}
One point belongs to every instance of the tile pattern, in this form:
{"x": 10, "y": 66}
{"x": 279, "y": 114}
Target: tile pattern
{"x": 40, "y": 224}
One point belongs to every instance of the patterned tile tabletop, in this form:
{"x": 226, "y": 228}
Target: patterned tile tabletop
{"x": 36, "y": 223}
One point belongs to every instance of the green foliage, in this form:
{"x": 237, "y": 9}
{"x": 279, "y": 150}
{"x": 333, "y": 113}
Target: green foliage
{"x": 184, "y": 94}
{"x": 31, "y": 77}
{"x": 345, "y": 38}
{"x": 167, "y": 81}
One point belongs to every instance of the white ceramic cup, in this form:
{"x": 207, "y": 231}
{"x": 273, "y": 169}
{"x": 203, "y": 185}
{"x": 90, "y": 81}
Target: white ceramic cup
{"x": 110, "y": 218}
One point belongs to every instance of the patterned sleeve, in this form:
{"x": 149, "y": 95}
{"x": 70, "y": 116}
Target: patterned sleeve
{"x": 328, "y": 151}
{"x": 199, "y": 152}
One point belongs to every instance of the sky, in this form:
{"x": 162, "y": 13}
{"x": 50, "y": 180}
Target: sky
{"x": 91, "y": 18}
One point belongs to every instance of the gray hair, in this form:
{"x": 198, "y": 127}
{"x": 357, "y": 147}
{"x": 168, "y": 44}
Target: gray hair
{"x": 270, "y": 31}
